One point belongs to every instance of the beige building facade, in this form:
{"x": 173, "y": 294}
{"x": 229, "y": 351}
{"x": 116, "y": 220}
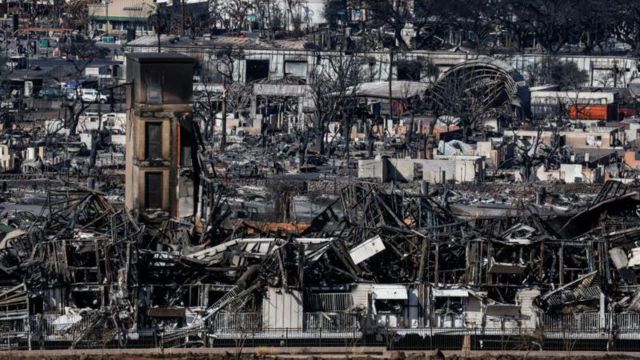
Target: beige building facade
{"x": 118, "y": 16}
{"x": 159, "y": 138}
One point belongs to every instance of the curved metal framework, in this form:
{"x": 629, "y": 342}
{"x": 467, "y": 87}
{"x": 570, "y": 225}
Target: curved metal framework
{"x": 485, "y": 84}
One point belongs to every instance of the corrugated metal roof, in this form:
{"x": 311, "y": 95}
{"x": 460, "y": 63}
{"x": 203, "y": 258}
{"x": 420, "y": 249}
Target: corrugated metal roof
{"x": 158, "y": 58}
{"x": 242, "y": 42}
{"x": 389, "y": 292}
{"x": 400, "y": 89}
{"x": 450, "y": 293}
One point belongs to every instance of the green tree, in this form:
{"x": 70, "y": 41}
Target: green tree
{"x": 396, "y": 15}
{"x": 335, "y": 11}
{"x": 565, "y": 75}
{"x": 596, "y": 23}
{"x": 553, "y": 22}
{"x": 627, "y": 24}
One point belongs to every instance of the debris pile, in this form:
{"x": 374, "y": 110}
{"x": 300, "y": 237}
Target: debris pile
{"x": 84, "y": 273}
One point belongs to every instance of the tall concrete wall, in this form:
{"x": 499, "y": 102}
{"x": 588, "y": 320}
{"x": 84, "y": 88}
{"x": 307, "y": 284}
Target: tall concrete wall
{"x": 372, "y": 169}
{"x": 458, "y": 169}
{"x": 401, "y": 169}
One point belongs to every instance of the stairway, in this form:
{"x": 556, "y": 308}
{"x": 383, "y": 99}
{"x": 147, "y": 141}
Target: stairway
{"x": 83, "y": 328}
{"x": 235, "y": 299}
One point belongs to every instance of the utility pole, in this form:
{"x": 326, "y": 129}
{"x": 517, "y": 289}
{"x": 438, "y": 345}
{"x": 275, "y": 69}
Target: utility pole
{"x": 106, "y": 12}
{"x": 159, "y": 24}
{"x": 390, "y": 82}
{"x": 223, "y": 137}
{"x": 183, "y": 16}
{"x": 391, "y": 48}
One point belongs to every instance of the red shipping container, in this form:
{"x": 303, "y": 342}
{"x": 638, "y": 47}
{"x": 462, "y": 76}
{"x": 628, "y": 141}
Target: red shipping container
{"x": 591, "y": 112}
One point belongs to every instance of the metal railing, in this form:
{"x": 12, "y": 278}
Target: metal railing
{"x": 575, "y": 323}
{"x": 330, "y": 301}
{"x": 224, "y": 322}
{"x": 60, "y": 331}
{"x": 331, "y": 322}
{"x": 585, "y": 331}
{"x": 586, "y": 323}
{"x": 627, "y": 323}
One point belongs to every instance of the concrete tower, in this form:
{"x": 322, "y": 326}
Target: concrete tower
{"x": 160, "y": 146}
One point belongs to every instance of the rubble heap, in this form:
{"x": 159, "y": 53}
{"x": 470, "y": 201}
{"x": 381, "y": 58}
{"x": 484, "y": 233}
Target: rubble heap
{"x": 374, "y": 262}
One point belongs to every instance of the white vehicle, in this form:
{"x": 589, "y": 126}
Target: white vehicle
{"x": 93, "y": 95}
{"x": 7, "y": 104}
{"x": 204, "y": 89}
{"x": 17, "y": 62}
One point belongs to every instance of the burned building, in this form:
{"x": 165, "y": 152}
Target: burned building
{"x": 377, "y": 266}
{"x": 160, "y": 135}
{"x": 188, "y": 262}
